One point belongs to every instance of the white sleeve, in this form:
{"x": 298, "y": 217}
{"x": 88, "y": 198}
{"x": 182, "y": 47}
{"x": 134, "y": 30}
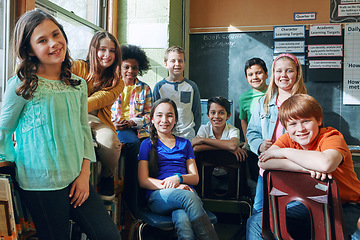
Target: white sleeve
{"x": 233, "y": 132}
{"x": 203, "y": 131}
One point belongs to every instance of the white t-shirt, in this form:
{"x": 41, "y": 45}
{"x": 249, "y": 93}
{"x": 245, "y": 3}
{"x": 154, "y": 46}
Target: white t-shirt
{"x": 205, "y": 131}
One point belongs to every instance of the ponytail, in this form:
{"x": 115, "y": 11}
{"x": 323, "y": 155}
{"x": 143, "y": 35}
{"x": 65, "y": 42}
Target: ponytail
{"x": 153, "y": 156}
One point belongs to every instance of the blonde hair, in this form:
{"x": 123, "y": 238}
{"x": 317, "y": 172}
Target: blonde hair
{"x": 173, "y": 49}
{"x": 299, "y": 86}
{"x": 300, "y": 106}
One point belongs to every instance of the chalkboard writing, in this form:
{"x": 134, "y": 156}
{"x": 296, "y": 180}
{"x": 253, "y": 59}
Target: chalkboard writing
{"x": 216, "y": 64}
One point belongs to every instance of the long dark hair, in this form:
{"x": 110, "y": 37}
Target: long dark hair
{"x": 153, "y": 156}
{"x": 28, "y": 65}
{"x": 103, "y": 78}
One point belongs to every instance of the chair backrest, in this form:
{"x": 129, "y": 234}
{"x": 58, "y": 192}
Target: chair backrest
{"x": 134, "y": 196}
{"x": 321, "y": 198}
{"x": 233, "y": 182}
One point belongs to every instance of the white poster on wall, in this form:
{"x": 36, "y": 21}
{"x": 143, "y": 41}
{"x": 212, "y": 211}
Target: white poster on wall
{"x": 351, "y": 84}
{"x": 148, "y": 35}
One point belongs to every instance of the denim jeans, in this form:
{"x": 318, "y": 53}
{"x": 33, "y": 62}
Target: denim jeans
{"x": 298, "y": 218}
{"x": 184, "y": 207}
{"x": 132, "y": 143}
{"x": 51, "y": 212}
{"x": 258, "y": 201}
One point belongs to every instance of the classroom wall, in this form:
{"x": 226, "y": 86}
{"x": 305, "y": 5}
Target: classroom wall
{"x": 232, "y": 15}
{"x": 157, "y": 12}
{"x": 223, "y": 35}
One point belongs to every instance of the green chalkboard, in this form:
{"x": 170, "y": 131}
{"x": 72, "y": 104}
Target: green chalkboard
{"x": 216, "y": 64}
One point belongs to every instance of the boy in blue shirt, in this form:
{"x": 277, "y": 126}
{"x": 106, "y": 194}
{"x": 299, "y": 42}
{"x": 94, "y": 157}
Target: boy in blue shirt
{"x": 182, "y": 91}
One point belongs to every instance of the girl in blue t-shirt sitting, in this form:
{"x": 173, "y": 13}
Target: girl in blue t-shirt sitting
{"x": 167, "y": 169}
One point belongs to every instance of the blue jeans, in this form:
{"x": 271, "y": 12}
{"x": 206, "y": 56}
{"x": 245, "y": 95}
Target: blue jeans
{"x": 184, "y": 207}
{"x": 132, "y": 143}
{"x": 298, "y": 218}
{"x": 51, "y": 212}
{"x": 258, "y": 201}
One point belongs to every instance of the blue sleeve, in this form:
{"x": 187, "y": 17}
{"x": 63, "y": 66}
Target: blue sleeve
{"x": 12, "y": 107}
{"x": 144, "y": 150}
{"x": 196, "y": 107}
{"x": 254, "y": 132}
{"x": 156, "y": 92}
{"x": 190, "y": 150}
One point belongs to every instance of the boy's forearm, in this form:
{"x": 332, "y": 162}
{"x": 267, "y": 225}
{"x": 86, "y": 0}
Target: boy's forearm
{"x": 244, "y": 125}
{"x": 281, "y": 164}
{"x": 229, "y": 145}
{"x": 325, "y": 162}
{"x": 204, "y": 147}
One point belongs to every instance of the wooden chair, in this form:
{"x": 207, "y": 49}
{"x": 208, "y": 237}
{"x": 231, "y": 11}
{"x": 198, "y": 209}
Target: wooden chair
{"x": 321, "y": 198}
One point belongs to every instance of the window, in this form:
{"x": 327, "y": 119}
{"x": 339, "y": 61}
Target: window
{"x": 78, "y": 29}
{"x": 86, "y": 9}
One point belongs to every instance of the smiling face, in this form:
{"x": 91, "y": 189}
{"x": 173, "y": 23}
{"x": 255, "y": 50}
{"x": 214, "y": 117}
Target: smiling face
{"x": 106, "y": 52}
{"x": 129, "y": 71}
{"x": 175, "y": 63}
{"x": 303, "y": 131}
{"x": 285, "y": 74}
{"x": 164, "y": 118}
{"x": 48, "y": 44}
{"x": 217, "y": 115}
{"x": 256, "y": 77}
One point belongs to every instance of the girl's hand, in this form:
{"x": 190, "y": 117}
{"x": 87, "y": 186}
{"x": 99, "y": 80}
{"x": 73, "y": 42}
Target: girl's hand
{"x": 265, "y": 145}
{"x": 320, "y": 175}
{"x": 240, "y": 154}
{"x": 132, "y": 123}
{"x": 171, "y": 182}
{"x": 271, "y": 154}
{"x": 79, "y": 191}
{"x": 185, "y": 187}
{"x": 122, "y": 125}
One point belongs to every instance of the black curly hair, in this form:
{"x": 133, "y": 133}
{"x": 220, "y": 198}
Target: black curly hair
{"x": 135, "y": 52}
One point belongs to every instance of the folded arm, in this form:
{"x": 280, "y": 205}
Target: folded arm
{"x": 230, "y": 145}
{"x": 326, "y": 161}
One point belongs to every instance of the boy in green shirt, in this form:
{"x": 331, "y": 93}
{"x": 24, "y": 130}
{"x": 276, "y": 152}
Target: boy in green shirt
{"x": 256, "y": 75}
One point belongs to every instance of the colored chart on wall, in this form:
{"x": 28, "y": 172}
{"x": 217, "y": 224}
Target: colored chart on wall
{"x": 351, "y": 64}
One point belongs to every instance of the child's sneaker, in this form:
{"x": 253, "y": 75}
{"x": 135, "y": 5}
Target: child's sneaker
{"x": 107, "y": 191}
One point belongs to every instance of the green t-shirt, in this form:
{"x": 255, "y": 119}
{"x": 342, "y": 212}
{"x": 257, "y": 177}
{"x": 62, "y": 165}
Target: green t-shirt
{"x": 248, "y": 101}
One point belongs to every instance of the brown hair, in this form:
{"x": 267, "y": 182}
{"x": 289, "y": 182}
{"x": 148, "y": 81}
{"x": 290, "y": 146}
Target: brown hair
{"x": 300, "y": 106}
{"x": 299, "y": 85}
{"x": 153, "y": 157}
{"x": 28, "y": 65}
{"x": 104, "y": 79}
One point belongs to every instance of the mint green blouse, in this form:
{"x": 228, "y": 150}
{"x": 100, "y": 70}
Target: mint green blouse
{"x": 52, "y": 133}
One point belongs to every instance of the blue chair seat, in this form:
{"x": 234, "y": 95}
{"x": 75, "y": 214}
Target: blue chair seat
{"x": 165, "y": 222}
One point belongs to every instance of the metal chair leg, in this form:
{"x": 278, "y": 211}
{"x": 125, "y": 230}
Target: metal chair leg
{"x": 132, "y": 228}
{"x": 141, "y": 228}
